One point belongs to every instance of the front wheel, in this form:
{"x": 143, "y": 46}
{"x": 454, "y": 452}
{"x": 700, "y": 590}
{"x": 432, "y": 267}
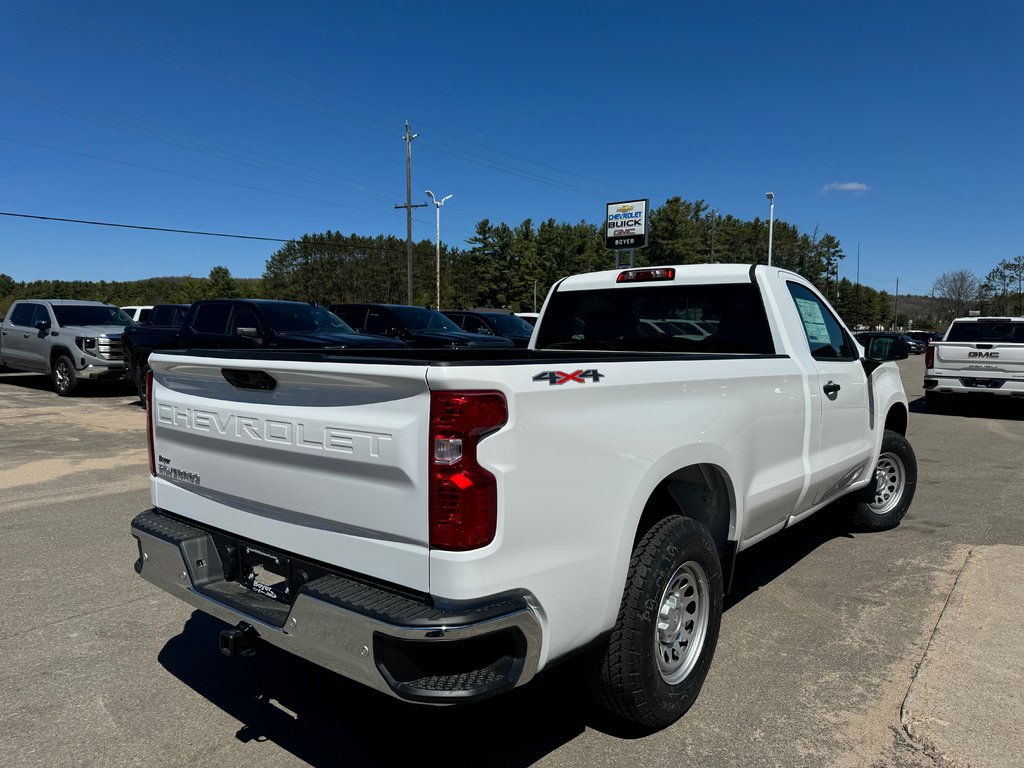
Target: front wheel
{"x": 653, "y": 665}
{"x": 64, "y": 376}
{"x": 883, "y": 505}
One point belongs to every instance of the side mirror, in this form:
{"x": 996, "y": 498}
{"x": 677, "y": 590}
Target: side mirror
{"x": 249, "y": 333}
{"x": 43, "y": 325}
{"x": 884, "y": 349}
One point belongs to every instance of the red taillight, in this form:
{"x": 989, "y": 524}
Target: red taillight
{"x": 463, "y": 495}
{"x": 646, "y": 275}
{"x": 929, "y": 357}
{"x": 149, "y": 422}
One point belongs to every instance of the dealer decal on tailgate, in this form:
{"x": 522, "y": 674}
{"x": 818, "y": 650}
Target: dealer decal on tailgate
{"x": 560, "y": 377}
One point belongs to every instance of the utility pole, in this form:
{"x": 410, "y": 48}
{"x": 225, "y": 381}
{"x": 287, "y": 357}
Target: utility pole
{"x": 409, "y": 136}
{"x": 714, "y": 215}
{"x": 858, "y": 313}
{"x": 896, "y": 306}
{"x": 438, "y": 204}
{"x": 771, "y": 222}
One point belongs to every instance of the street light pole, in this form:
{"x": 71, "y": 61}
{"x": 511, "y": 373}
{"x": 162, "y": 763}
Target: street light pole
{"x": 771, "y": 222}
{"x": 437, "y": 205}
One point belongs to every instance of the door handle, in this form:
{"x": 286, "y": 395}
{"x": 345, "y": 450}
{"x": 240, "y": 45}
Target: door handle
{"x": 831, "y": 390}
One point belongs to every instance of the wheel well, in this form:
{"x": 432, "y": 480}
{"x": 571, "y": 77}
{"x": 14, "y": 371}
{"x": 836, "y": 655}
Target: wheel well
{"x": 699, "y": 492}
{"x": 57, "y": 352}
{"x": 896, "y": 419}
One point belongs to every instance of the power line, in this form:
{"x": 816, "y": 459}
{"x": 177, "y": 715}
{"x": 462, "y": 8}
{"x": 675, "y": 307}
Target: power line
{"x": 146, "y": 228}
{"x": 173, "y": 230}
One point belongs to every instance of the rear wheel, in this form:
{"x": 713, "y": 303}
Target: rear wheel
{"x": 885, "y": 503}
{"x": 140, "y": 382}
{"x": 64, "y": 377}
{"x": 655, "y": 661}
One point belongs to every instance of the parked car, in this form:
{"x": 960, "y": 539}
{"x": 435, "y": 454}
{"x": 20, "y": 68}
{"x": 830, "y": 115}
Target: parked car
{"x": 530, "y": 317}
{"x": 925, "y": 337}
{"x": 68, "y": 340}
{"x": 442, "y": 528}
{"x": 138, "y": 312}
{"x": 246, "y": 324}
{"x": 493, "y": 324}
{"x": 978, "y": 356}
{"x": 416, "y": 326}
{"x": 168, "y": 315}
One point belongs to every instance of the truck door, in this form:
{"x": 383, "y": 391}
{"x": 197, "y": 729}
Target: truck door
{"x": 841, "y": 438}
{"x": 22, "y": 341}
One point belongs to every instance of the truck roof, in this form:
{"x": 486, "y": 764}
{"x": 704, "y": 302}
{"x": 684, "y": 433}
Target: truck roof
{"x": 989, "y": 319}
{"x": 70, "y": 302}
{"x": 684, "y": 273}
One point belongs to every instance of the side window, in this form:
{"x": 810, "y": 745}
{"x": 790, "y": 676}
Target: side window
{"x": 22, "y": 315}
{"x": 380, "y": 322}
{"x": 143, "y": 315}
{"x": 211, "y": 318}
{"x": 41, "y": 315}
{"x": 472, "y": 324}
{"x": 825, "y": 336}
{"x": 243, "y": 317}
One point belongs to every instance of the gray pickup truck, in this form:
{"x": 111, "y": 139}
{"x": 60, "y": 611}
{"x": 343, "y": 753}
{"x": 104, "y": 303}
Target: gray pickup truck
{"x": 68, "y": 340}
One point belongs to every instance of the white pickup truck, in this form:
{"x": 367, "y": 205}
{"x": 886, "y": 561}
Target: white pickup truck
{"x": 978, "y": 355}
{"x": 442, "y": 525}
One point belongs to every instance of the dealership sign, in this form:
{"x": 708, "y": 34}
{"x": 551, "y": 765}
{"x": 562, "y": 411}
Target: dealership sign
{"x": 626, "y": 225}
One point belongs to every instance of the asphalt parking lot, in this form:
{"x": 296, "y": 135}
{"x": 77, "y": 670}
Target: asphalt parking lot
{"x": 837, "y": 648}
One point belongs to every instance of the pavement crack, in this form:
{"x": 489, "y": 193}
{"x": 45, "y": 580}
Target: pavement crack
{"x": 908, "y": 722}
{"x": 82, "y": 615}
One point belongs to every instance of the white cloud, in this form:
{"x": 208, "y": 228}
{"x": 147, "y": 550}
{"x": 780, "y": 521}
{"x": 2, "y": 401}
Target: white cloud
{"x": 845, "y": 186}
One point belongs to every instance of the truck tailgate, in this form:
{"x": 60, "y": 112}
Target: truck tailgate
{"x": 326, "y": 460}
{"x": 989, "y": 356}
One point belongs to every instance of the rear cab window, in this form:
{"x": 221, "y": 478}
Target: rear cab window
{"x": 711, "y": 318}
{"x": 993, "y": 331}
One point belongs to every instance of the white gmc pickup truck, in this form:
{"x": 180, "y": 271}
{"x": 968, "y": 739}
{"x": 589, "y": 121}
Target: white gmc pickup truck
{"x": 443, "y": 525}
{"x": 978, "y": 355}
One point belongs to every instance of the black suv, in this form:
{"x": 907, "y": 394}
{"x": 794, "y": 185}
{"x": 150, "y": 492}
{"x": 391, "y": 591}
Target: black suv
{"x": 416, "y": 326}
{"x": 493, "y": 324}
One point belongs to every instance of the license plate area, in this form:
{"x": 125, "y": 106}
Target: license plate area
{"x": 983, "y": 383}
{"x": 266, "y": 573}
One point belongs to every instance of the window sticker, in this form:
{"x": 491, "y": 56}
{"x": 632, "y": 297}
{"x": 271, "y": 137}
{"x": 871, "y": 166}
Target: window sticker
{"x": 813, "y": 320}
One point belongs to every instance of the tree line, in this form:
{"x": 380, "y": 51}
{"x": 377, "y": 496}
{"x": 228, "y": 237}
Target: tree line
{"x": 513, "y": 267}
{"x": 1000, "y": 292}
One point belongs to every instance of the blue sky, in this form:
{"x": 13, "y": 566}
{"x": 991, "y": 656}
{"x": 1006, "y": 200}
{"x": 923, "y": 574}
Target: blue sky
{"x": 895, "y": 125}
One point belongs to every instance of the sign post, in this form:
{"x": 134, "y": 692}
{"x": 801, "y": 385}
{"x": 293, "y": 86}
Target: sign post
{"x": 626, "y": 228}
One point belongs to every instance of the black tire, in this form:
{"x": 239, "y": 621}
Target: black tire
{"x": 935, "y": 402}
{"x": 64, "y": 377}
{"x": 140, "y": 383}
{"x": 653, "y": 665}
{"x": 884, "y": 504}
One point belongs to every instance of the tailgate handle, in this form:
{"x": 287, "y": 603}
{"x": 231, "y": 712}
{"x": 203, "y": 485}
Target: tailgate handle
{"x": 249, "y": 379}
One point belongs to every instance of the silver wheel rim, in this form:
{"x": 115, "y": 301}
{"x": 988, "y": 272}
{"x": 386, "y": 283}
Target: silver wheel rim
{"x": 63, "y": 376}
{"x": 682, "y": 623}
{"x": 890, "y": 479}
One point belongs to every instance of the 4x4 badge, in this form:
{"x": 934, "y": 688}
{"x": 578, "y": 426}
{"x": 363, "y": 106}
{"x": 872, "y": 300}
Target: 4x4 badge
{"x": 560, "y": 377}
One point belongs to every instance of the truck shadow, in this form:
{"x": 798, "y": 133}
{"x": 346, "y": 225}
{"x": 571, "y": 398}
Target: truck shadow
{"x": 324, "y": 719}
{"x": 976, "y": 406}
{"x": 764, "y": 562}
{"x": 86, "y": 390}
{"x": 319, "y": 716}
